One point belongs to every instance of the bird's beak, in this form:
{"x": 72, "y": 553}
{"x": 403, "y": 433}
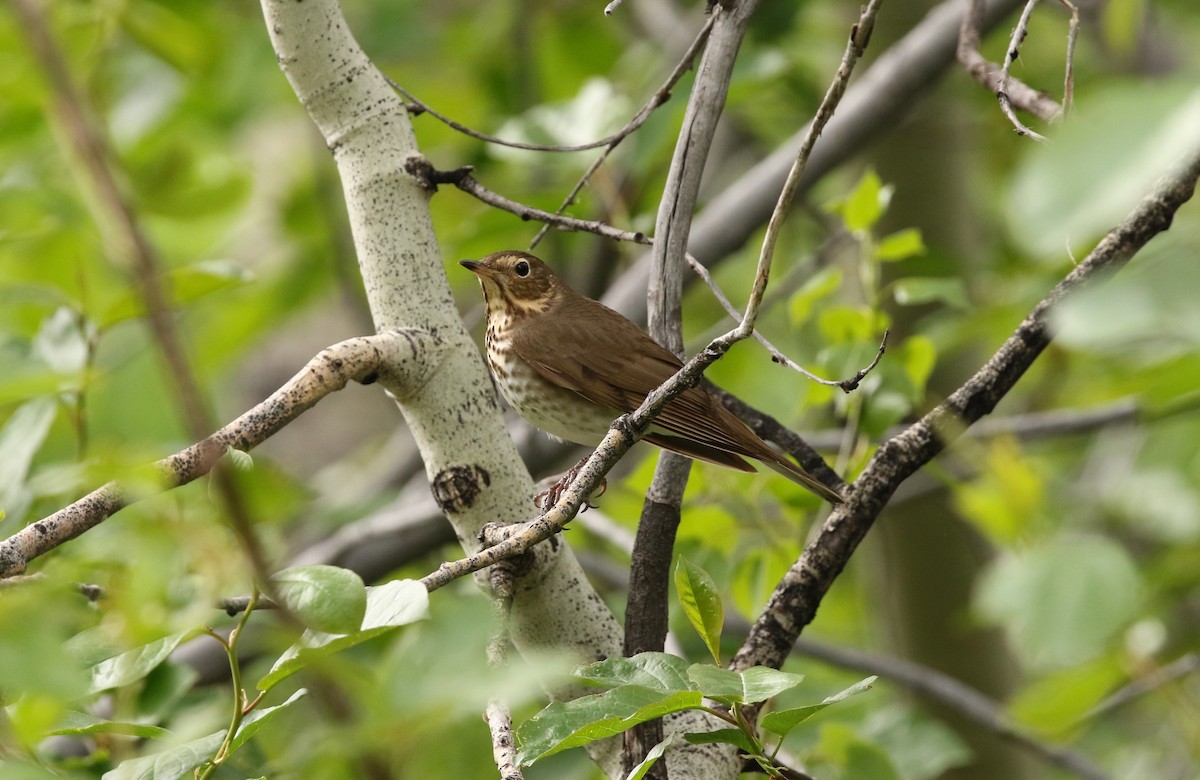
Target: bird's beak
{"x": 474, "y": 266}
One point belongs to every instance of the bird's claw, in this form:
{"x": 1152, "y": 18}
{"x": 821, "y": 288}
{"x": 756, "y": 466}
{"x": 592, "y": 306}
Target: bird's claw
{"x": 549, "y": 497}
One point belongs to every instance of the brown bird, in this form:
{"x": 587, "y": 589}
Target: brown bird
{"x": 570, "y": 366}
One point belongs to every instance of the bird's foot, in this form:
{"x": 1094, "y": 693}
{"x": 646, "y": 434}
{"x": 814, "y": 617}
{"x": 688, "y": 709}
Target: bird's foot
{"x": 549, "y": 497}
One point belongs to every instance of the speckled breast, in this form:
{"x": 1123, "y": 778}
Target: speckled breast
{"x": 561, "y": 413}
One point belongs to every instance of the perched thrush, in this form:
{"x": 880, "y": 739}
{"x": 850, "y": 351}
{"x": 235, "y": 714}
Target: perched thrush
{"x": 570, "y": 366}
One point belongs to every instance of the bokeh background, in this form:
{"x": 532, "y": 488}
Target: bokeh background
{"x": 1049, "y": 568}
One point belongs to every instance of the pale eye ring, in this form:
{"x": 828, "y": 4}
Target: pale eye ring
{"x": 522, "y": 268}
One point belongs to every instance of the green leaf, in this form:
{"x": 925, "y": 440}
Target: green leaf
{"x": 756, "y": 684}
{"x": 656, "y": 752}
{"x": 20, "y": 439}
{"x": 171, "y": 35}
{"x": 133, "y": 665}
{"x": 758, "y": 570}
{"x": 900, "y": 245}
{"x": 884, "y": 408}
{"x": 848, "y": 324}
{"x": 1151, "y": 302}
{"x": 866, "y": 203}
{"x": 79, "y": 723}
{"x": 1063, "y": 601}
{"x": 570, "y": 724}
{"x": 388, "y": 607}
{"x": 18, "y": 767}
{"x": 1066, "y": 696}
{"x": 30, "y": 718}
{"x": 783, "y": 721}
{"x": 658, "y": 671}
{"x": 821, "y": 285}
{"x": 919, "y": 290}
{"x": 735, "y": 737}
{"x": 163, "y": 689}
{"x": 1008, "y": 495}
{"x": 701, "y": 603}
{"x": 716, "y": 683}
{"x": 181, "y": 760}
{"x": 1066, "y": 194}
{"x": 918, "y": 745}
{"x": 918, "y": 356}
{"x": 1122, "y": 27}
{"x": 760, "y": 683}
{"x": 324, "y": 598}
{"x": 865, "y": 761}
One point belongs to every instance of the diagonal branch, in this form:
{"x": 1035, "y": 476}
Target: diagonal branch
{"x": 359, "y": 359}
{"x": 795, "y": 601}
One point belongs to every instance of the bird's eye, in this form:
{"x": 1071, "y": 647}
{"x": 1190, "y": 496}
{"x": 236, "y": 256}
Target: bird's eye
{"x": 522, "y": 268}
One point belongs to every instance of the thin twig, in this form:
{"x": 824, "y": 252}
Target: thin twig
{"x": 1182, "y": 666}
{"x": 232, "y": 605}
{"x": 846, "y": 385}
{"x": 241, "y": 706}
{"x": 463, "y": 180}
{"x": 860, "y": 36}
{"x": 498, "y": 717}
{"x": 661, "y": 96}
{"x": 1014, "y": 51}
{"x": 1069, "y": 76}
{"x": 418, "y": 107}
{"x": 1009, "y": 91}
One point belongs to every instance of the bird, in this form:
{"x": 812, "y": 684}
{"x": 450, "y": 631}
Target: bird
{"x": 570, "y": 365}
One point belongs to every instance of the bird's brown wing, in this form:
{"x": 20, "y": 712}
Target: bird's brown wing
{"x": 619, "y": 367}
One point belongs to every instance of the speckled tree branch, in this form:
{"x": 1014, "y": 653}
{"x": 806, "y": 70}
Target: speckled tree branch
{"x": 387, "y": 356}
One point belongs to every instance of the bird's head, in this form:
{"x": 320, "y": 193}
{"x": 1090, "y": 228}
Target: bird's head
{"x": 516, "y": 281}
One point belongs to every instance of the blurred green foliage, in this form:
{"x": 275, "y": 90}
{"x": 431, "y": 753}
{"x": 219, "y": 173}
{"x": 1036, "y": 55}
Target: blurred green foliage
{"x": 1094, "y": 537}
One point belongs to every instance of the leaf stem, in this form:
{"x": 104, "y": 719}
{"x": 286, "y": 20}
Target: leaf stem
{"x": 241, "y": 707}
